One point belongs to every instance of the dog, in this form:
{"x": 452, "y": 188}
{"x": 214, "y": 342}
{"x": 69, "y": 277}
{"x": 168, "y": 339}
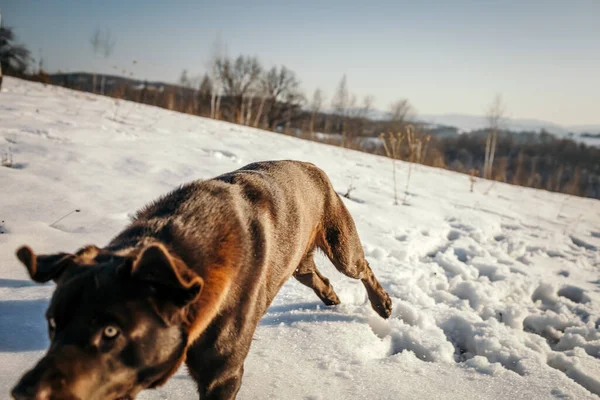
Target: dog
{"x": 188, "y": 281}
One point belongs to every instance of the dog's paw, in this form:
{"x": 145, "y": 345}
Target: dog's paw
{"x": 332, "y": 299}
{"x": 382, "y": 304}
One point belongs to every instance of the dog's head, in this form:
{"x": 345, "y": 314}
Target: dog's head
{"x": 117, "y": 324}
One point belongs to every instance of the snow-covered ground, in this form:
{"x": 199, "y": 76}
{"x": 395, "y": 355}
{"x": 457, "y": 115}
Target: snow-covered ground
{"x": 496, "y": 296}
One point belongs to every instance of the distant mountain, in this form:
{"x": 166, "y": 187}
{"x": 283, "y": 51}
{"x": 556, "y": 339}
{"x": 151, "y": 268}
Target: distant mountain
{"x": 84, "y": 81}
{"x": 585, "y": 128}
{"x": 465, "y": 123}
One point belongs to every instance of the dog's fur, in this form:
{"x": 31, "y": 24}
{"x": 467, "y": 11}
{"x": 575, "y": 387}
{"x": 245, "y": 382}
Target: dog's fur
{"x": 188, "y": 280}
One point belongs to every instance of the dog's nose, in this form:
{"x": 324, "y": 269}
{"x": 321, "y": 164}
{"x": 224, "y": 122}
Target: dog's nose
{"x": 23, "y": 392}
{"x": 21, "y": 395}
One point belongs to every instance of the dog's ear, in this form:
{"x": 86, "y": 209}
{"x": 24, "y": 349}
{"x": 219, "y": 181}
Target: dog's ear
{"x": 44, "y": 267}
{"x": 170, "y": 278}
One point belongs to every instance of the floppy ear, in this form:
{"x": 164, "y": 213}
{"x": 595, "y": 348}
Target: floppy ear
{"x": 44, "y": 268}
{"x": 175, "y": 285}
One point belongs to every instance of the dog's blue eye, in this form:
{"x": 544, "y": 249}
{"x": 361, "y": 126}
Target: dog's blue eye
{"x": 110, "y": 332}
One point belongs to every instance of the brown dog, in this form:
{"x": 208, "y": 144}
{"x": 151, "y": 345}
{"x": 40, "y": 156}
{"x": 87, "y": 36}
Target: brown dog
{"x": 189, "y": 280}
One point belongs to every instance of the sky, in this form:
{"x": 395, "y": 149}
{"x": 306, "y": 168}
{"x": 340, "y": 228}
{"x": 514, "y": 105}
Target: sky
{"x": 541, "y": 56}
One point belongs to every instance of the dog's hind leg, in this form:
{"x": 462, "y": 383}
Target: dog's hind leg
{"x": 308, "y": 274}
{"x": 340, "y": 241}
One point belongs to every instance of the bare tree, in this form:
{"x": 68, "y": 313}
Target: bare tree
{"x": 281, "y": 96}
{"x": 341, "y": 98}
{"x": 262, "y": 92}
{"x": 218, "y": 53}
{"x": 237, "y": 78}
{"x": 108, "y": 45}
{"x": 185, "y": 80}
{"x": 357, "y": 116}
{"x": 188, "y": 102}
{"x": 254, "y": 91}
{"x": 204, "y": 93}
{"x": 351, "y": 109}
{"x": 367, "y": 106}
{"x": 495, "y": 115}
{"x": 95, "y": 42}
{"x": 102, "y": 42}
{"x": 400, "y": 111}
{"x": 340, "y": 103}
{"x": 315, "y": 106}
{"x": 206, "y": 85}
{"x": 249, "y": 104}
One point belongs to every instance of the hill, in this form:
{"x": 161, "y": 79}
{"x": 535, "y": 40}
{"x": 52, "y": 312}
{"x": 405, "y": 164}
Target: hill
{"x": 495, "y": 291}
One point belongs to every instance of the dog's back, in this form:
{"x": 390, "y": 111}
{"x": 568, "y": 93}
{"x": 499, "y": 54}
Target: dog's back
{"x": 257, "y": 222}
{"x": 276, "y": 206}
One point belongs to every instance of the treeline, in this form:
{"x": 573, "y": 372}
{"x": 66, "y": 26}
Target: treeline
{"x": 554, "y": 164}
{"x": 241, "y": 90}
{"x": 542, "y": 161}
{"x": 532, "y": 159}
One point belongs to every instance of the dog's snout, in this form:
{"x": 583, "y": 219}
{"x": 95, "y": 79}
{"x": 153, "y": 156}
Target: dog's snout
{"x": 25, "y": 392}
{"x": 32, "y": 385}
{"x": 55, "y": 377}
{"x": 18, "y": 394}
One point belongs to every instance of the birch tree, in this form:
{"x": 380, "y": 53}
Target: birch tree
{"x": 495, "y": 115}
{"x": 340, "y": 103}
{"x": 315, "y": 106}
{"x": 217, "y": 54}
{"x": 102, "y": 43}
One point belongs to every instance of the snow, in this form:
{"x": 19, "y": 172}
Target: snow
{"x": 495, "y": 295}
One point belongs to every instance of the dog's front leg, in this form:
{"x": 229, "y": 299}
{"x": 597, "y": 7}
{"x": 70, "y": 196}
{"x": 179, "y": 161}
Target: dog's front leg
{"x": 223, "y": 387}
{"x": 218, "y": 376}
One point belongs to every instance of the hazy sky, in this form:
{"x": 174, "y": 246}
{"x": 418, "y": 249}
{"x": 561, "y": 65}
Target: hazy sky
{"x": 542, "y": 56}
